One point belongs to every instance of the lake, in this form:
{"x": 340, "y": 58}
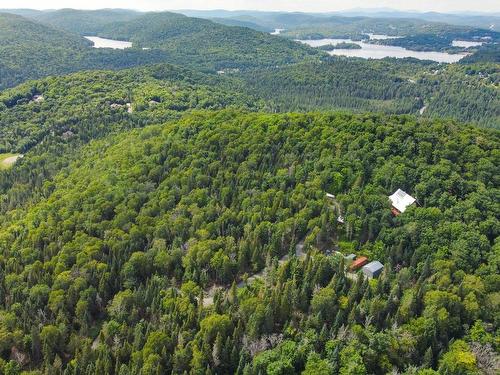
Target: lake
{"x": 108, "y": 43}
{"x": 465, "y": 43}
{"x": 381, "y": 36}
{"x": 277, "y": 31}
{"x": 376, "y": 51}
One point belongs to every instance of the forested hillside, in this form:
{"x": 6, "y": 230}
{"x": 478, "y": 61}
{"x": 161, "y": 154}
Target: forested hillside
{"x": 84, "y": 22}
{"x": 414, "y": 33}
{"x": 52, "y": 118}
{"x": 468, "y": 93}
{"x": 212, "y": 216}
{"x": 287, "y": 75}
{"x": 30, "y": 50}
{"x": 108, "y": 271}
{"x": 28, "y": 47}
{"x": 197, "y": 42}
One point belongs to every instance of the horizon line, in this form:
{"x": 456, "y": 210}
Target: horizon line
{"x": 367, "y": 10}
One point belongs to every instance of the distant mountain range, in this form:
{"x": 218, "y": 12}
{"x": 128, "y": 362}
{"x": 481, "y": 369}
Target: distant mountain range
{"x": 51, "y": 43}
{"x": 254, "y": 19}
{"x": 477, "y": 19}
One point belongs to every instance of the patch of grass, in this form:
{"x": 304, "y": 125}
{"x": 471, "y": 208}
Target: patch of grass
{"x": 8, "y": 160}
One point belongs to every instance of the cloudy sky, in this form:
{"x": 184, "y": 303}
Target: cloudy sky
{"x": 289, "y": 5}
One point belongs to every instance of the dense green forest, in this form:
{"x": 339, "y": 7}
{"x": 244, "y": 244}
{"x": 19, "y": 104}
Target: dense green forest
{"x": 469, "y": 93}
{"x": 432, "y": 41}
{"x": 200, "y": 218}
{"x": 414, "y": 34}
{"x": 198, "y": 42}
{"x": 21, "y": 55}
{"x": 71, "y": 111}
{"x": 486, "y": 53}
{"x": 417, "y": 33}
{"x": 125, "y": 244}
{"x": 84, "y": 22}
{"x": 30, "y": 50}
{"x": 155, "y": 94}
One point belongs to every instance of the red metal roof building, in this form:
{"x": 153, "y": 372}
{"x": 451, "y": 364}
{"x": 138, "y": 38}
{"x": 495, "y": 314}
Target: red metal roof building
{"x": 358, "y": 263}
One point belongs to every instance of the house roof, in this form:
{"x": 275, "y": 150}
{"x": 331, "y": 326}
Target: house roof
{"x": 401, "y": 200}
{"x": 373, "y": 266}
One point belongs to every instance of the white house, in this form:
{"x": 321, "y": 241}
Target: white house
{"x": 400, "y": 201}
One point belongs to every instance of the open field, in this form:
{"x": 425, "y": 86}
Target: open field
{"x": 8, "y": 160}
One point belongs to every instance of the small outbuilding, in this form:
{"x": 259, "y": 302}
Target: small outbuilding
{"x": 350, "y": 257}
{"x": 400, "y": 201}
{"x": 373, "y": 269}
{"x": 358, "y": 263}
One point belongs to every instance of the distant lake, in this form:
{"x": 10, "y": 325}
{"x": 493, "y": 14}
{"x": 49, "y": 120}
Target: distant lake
{"x": 376, "y": 51}
{"x": 277, "y": 31}
{"x": 381, "y": 36}
{"x": 465, "y": 43}
{"x": 108, "y": 43}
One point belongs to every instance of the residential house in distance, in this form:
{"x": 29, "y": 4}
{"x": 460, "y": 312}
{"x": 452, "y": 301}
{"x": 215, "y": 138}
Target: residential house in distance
{"x": 373, "y": 269}
{"x": 400, "y": 202}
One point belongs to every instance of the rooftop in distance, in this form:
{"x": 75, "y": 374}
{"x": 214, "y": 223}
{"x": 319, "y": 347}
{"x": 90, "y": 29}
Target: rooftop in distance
{"x": 401, "y": 200}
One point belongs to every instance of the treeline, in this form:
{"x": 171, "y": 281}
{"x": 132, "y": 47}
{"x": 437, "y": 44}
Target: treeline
{"x": 119, "y": 254}
{"x": 468, "y": 93}
{"x": 195, "y": 42}
{"x": 431, "y": 41}
{"x": 72, "y": 111}
{"x": 30, "y": 50}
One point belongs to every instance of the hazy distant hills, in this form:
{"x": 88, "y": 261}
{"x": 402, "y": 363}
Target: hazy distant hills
{"x": 32, "y": 49}
{"x": 242, "y": 23}
{"x": 353, "y": 22}
{"x": 91, "y": 21}
{"x": 194, "y": 41}
{"x": 85, "y": 22}
{"x": 480, "y": 20}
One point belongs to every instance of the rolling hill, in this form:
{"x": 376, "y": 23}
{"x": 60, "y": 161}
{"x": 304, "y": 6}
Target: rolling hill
{"x": 199, "y": 42}
{"x": 30, "y": 49}
{"x": 136, "y": 255}
{"x": 84, "y": 22}
{"x": 418, "y": 33}
{"x": 466, "y": 92}
{"x": 198, "y": 219}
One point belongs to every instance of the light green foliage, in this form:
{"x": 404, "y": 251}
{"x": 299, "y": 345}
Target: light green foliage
{"x": 104, "y": 267}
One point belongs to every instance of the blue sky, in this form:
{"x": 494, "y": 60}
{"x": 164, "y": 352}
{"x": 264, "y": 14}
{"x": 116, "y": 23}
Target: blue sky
{"x": 289, "y": 5}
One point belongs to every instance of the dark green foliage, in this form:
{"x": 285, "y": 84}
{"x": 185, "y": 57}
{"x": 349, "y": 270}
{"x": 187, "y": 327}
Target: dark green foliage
{"x": 467, "y": 93}
{"x": 90, "y": 105}
{"x": 84, "y": 22}
{"x": 198, "y": 42}
{"x": 486, "y": 53}
{"x": 32, "y": 50}
{"x": 161, "y": 222}
{"x": 342, "y": 45}
{"x": 432, "y": 41}
{"x": 117, "y": 253}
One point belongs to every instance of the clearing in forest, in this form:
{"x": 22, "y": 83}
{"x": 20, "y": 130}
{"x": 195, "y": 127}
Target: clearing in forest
{"x": 8, "y": 160}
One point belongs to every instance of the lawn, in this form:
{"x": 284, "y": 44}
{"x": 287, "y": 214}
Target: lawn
{"x": 8, "y": 160}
